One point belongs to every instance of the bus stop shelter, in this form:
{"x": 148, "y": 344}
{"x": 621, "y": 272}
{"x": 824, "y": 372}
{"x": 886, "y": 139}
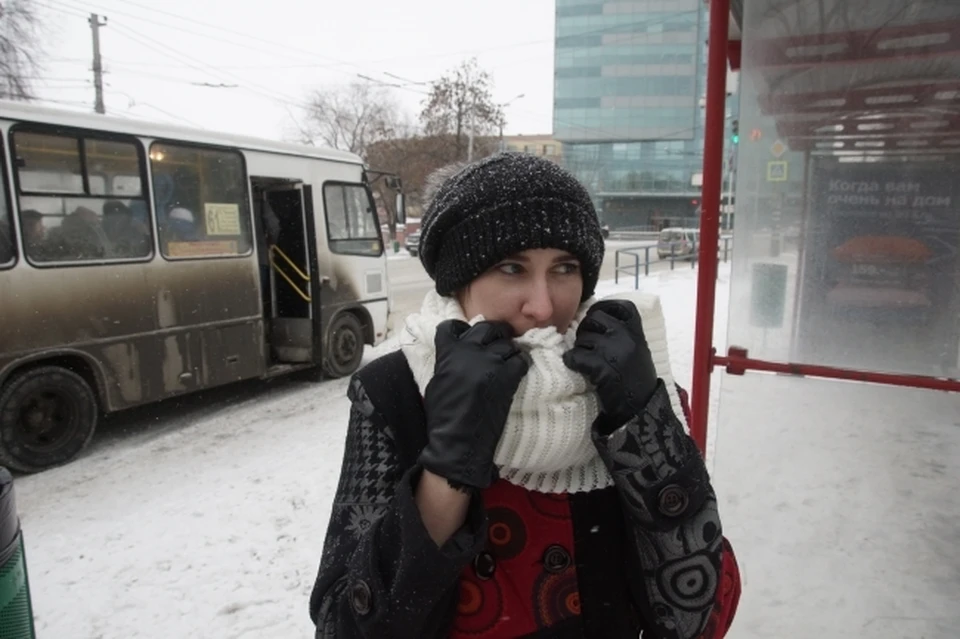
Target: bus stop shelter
{"x": 840, "y": 497}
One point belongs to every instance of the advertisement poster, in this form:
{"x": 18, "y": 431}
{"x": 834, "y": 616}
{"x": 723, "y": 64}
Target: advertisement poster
{"x": 881, "y": 266}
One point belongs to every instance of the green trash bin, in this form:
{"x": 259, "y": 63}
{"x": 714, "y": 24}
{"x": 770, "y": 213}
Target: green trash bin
{"x": 16, "y": 612}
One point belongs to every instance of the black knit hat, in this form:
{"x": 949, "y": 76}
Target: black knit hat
{"x": 501, "y": 206}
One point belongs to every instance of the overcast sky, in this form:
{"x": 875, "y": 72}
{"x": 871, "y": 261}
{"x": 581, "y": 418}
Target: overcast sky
{"x": 277, "y": 51}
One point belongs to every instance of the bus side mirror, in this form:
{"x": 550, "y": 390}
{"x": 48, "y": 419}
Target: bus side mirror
{"x": 401, "y": 210}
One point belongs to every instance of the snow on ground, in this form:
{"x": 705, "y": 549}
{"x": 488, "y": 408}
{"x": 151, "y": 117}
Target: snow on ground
{"x": 678, "y": 295}
{"x": 212, "y": 524}
{"x": 841, "y": 501}
{"x": 205, "y": 516}
{"x": 211, "y": 530}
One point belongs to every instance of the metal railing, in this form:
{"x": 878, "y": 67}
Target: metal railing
{"x": 275, "y": 250}
{"x": 622, "y": 235}
{"x": 632, "y": 266}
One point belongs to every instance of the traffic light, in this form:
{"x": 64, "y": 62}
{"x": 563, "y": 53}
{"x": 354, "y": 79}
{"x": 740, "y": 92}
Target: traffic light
{"x": 735, "y": 131}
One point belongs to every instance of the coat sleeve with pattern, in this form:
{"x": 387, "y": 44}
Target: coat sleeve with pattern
{"x": 381, "y": 575}
{"x": 673, "y": 525}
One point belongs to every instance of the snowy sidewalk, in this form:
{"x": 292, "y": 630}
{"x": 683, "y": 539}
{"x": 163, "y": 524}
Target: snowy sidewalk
{"x": 840, "y": 500}
{"x": 212, "y": 527}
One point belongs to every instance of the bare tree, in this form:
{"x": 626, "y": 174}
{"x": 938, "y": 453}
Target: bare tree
{"x": 413, "y": 157}
{"x": 351, "y": 118}
{"x": 19, "y": 48}
{"x": 460, "y": 100}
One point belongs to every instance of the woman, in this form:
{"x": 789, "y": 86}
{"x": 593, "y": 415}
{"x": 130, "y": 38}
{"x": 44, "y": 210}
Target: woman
{"x": 522, "y": 474}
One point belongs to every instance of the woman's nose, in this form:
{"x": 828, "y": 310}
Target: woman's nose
{"x": 538, "y": 305}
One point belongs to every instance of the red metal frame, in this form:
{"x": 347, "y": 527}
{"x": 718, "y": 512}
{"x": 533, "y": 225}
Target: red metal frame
{"x": 856, "y": 47}
{"x": 737, "y": 363}
{"x": 860, "y": 46}
{"x": 921, "y": 94}
{"x": 710, "y": 218}
{"x": 896, "y": 124}
{"x": 945, "y": 142}
{"x": 735, "y": 54}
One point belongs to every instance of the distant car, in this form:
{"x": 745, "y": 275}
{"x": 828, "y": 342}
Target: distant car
{"x": 678, "y": 243}
{"x": 413, "y": 243}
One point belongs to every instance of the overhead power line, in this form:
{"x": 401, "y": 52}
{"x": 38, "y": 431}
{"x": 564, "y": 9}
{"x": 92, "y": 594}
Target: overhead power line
{"x": 276, "y": 47}
{"x": 332, "y": 62}
{"x": 236, "y": 81}
{"x": 223, "y": 76}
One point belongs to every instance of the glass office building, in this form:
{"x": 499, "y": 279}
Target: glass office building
{"x": 629, "y": 78}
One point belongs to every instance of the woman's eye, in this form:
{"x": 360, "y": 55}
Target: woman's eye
{"x": 568, "y": 269}
{"x": 509, "y": 268}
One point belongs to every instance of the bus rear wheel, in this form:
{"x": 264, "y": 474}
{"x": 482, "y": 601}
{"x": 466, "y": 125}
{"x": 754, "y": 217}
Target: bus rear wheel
{"x": 47, "y": 416}
{"x": 344, "y": 346}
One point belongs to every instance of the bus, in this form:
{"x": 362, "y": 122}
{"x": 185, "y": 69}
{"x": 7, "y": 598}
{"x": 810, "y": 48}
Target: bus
{"x": 140, "y": 261}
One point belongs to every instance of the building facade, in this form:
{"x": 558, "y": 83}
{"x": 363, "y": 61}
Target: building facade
{"x": 629, "y": 82}
{"x": 539, "y": 145}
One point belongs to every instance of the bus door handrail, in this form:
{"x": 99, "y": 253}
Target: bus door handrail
{"x": 275, "y": 250}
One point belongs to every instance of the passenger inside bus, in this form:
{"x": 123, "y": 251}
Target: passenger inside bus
{"x": 180, "y": 226}
{"x": 34, "y": 232}
{"x": 128, "y": 236}
{"x": 268, "y": 234}
{"x": 286, "y": 206}
{"x": 6, "y": 240}
{"x": 79, "y": 237}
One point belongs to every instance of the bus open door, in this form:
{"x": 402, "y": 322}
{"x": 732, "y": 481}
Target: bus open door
{"x": 287, "y": 272}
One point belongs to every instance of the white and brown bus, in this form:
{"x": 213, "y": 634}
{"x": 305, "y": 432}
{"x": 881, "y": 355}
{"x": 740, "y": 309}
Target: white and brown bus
{"x": 141, "y": 261}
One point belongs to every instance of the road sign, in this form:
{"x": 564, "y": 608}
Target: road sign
{"x": 777, "y": 171}
{"x": 778, "y": 148}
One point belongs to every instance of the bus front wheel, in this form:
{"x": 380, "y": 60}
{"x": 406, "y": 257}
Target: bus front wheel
{"x": 344, "y": 346}
{"x": 47, "y": 416}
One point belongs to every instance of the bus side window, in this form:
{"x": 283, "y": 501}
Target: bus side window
{"x": 201, "y": 201}
{"x": 352, "y": 224}
{"x": 8, "y": 251}
{"x": 69, "y": 210}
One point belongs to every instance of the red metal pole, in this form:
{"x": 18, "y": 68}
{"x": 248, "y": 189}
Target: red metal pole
{"x": 710, "y": 218}
{"x": 737, "y": 363}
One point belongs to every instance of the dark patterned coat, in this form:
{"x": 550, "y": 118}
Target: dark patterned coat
{"x": 645, "y": 554}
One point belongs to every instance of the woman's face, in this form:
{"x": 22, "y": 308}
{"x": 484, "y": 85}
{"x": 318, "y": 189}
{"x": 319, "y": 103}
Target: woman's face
{"x": 533, "y": 289}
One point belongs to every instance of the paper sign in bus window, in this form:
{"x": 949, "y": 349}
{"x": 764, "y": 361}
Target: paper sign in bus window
{"x": 222, "y": 219}
{"x": 202, "y": 249}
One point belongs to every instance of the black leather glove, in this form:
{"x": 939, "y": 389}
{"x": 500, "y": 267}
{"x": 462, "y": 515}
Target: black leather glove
{"x": 611, "y": 351}
{"x": 468, "y": 399}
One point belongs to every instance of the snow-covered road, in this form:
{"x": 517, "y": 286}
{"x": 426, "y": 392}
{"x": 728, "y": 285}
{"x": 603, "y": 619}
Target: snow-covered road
{"x": 213, "y": 529}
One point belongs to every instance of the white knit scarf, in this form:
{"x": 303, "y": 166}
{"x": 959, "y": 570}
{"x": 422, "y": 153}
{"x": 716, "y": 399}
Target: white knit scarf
{"x": 546, "y": 444}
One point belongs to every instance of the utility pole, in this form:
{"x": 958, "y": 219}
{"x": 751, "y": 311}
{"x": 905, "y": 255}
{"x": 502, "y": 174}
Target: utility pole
{"x": 503, "y": 117}
{"x": 95, "y": 25}
{"x": 473, "y": 110}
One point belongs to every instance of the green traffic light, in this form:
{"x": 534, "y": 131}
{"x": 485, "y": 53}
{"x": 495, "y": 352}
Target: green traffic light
{"x": 736, "y": 139}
